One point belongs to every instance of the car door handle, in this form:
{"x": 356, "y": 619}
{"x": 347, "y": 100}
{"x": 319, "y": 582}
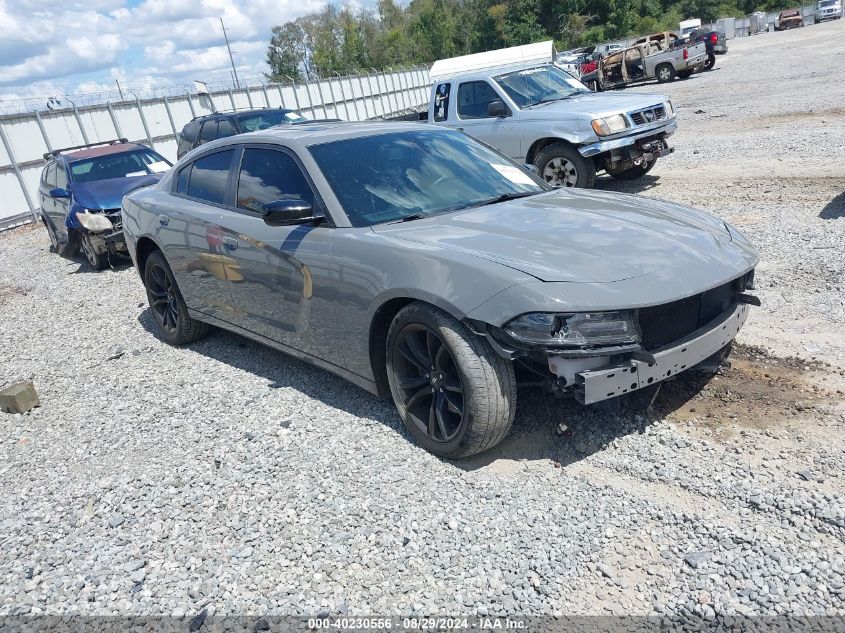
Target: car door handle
{"x": 459, "y": 129}
{"x": 230, "y": 243}
{"x": 163, "y": 220}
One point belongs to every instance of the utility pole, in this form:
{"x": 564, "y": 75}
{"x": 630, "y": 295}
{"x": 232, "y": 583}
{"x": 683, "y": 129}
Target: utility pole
{"x": 119, "y": 89}
{"x": 231, "y": 59}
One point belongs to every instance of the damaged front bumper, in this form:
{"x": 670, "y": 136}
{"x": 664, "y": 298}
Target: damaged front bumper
{"x": 595, "y": 385}
{"x": 631, "y": 143}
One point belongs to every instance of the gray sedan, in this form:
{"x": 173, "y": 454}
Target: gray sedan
{"x": 422, "y": 265}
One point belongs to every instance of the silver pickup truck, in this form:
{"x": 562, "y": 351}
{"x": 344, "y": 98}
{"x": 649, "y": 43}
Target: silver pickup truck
{"x": 653, "y": 59}
{"x": 541, "y": 115}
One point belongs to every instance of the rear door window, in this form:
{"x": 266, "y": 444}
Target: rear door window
{"x": 191, "y": 131}
{"x": 51, "y": 176}
{"x": 268, "y": 175}
{"x": 208, "y": 132}
{"x": 61, "y": 176}
{"x": 209, "y": 177}
{"x": 225, "y": 128}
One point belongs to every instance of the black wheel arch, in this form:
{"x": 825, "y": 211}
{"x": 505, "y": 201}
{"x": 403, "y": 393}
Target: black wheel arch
{"x": 380, "y": 325}
{"x": 143, "y": 249}
{"x": 542, "y": 143}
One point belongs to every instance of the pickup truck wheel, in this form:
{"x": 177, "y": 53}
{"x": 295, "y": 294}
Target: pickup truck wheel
{"x": 561, "y": 165}
{"x": 664, "y": 73}
{"x": 167, "y": 305}
{"x": 711, "y": 61}
{"x": 456, "y": 395}
{"x": 685, "y": 74}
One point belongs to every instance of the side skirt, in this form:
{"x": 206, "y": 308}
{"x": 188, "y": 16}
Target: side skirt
{"x": 364, "y": 383}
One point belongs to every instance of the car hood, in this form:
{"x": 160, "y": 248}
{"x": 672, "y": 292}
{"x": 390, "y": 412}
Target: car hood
{"x": 592, "y": 104}
{"x": 107, "y": 194}
{"x": 579, "y": 236}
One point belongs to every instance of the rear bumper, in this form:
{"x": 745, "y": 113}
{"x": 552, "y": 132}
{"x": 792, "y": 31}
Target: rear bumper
{"x": 602, "y": 384}
{"x": 594, "y": 149}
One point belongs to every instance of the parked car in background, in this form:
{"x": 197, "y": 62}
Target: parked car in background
{"x": 789, "y": 19}
{"x": 715, "y": 42}
{"x": 645, "y": 62}
{"x": 80, "y": 192}
{"x": 534, "y": 112}
{"x": 432, "y": 269}
{"x": 222, "y": 124}
{"x": 572, "y": 62}
{"x": 685, "y": 27}
{"x": 829, "y": 10}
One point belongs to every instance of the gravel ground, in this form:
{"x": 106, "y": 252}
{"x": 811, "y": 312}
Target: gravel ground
{"x": 227, "y": 477}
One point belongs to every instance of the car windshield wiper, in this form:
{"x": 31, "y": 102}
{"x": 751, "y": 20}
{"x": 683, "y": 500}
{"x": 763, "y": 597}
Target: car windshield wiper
{"x": 513, "y": 195}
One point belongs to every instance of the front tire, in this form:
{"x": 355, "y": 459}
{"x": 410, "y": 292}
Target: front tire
{"x": 55, "y": 244}
{"x": 665, "y": 73}
{"x": 455, "y": 395}
{"x": 98, "y": 261}
{"x": 167, "y": 305}
{"x": 562, "y": 165}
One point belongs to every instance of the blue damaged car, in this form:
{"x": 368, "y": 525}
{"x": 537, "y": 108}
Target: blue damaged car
{"x": 81, "y": 189}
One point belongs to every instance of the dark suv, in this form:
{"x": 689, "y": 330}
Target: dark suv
{"x": 222, "y": 124}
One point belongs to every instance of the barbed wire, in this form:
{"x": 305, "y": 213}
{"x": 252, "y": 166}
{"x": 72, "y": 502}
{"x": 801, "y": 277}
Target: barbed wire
{"x": 140, "y": 91}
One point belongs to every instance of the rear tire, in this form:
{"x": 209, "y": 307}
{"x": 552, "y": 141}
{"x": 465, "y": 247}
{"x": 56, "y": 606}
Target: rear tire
{"x": 167, "y": 305}
{"x": 456, "y": 395}
{"x": 685, "y": 74}
{"x": 665, "y": 73}
{"x": 562, "y": 165}
{"x": 711, "y": 61}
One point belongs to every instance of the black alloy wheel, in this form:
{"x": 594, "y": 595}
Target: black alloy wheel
{"x": 430, "y": 385}
{"x": 167, "y": 305}
{"x": 161, "y": 289}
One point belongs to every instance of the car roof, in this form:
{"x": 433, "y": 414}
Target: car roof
{"x": 103, "y": 150}
{"x": 235, "y": 113}
{"x": 318, "y": 133}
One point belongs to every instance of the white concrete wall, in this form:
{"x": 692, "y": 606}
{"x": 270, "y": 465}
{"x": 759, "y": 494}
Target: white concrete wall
{"x": 24, "y": 138}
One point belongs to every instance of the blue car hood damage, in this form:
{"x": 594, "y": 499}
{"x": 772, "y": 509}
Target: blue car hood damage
{"x": 107, "y": 194}
{"x": 104, "y": 194}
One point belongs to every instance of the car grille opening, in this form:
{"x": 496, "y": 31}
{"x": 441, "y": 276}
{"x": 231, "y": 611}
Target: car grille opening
{"x": 649, "y": 115}
{"x": 116, "y": 218}
{"x": 664, "y": 324}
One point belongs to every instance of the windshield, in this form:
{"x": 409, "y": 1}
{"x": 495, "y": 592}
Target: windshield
{"x": 827, "y": 3}
{"x": 389, "y": 177}
{"x": 123, "y": 165}
{"x": 269, "y": 118}
{"x": 542, "y": 84}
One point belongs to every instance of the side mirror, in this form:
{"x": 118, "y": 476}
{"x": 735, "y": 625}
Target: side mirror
{"x": 59, "y": 193}
{"x": 532, "y": 168}
{"x": 289, "y": 212}
{"x": 497, "y": 109}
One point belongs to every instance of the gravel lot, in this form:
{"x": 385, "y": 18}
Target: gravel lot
{"x": 227, "y": 477}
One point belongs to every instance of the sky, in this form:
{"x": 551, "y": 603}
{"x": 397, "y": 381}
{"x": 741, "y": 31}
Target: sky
{"x": 51, "y": 47}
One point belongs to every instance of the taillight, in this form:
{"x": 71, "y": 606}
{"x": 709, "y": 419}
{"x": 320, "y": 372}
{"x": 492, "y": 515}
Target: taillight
{"x": 714, "y": 38}
{"x": 686, "y": 53}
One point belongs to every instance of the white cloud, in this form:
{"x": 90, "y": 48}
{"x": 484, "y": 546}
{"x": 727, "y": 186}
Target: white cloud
{"x": 84, "y": 45}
